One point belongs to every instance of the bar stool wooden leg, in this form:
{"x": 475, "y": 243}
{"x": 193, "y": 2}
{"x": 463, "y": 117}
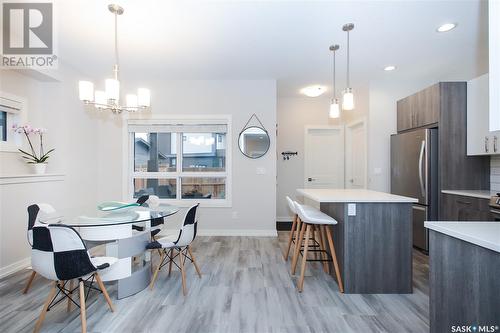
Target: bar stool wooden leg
{"x": 83, "y": 310}
{"x": 298, "y": 244}
{"x": 30, "y": 280}
{"x": 304, "y": 261}
{"x": 45, "y": 307}
{"x": 323, "y": 255}
{"x": 290, "y": 238}
{"x": 335, "y": 263}
{"x": 325, "y": 247}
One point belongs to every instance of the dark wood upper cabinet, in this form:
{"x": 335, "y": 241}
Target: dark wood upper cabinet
{"x": 420, "y": 109}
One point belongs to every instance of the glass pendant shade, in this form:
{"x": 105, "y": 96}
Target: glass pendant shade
{"x": 143, "y": 97}
{"x": 112, "y": 89}
{"x": 86, "y": 91}
{"x": 348, "y": 99}
{"x": 131, "y": 101}
{"x": 334, "y": 109}
{"x": 100, "y": 99}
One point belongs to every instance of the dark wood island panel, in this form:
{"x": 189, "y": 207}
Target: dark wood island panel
{"x": 374, "y": 247}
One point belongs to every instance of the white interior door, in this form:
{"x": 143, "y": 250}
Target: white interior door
{"x": 324, "y": 157}
{"x": 355, "y": 163}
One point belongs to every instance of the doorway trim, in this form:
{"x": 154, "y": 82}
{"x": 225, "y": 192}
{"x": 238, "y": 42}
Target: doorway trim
{"x": 348, "y": 126}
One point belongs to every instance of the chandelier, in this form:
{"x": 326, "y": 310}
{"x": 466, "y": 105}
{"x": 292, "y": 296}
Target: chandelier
{"x": 109, "y": 99}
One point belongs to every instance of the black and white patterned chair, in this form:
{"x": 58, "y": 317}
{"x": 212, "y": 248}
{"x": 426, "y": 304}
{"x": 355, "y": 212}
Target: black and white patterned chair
{"x": 156, "y": 223}
{"x": 177, "y": 246}
{"x": 59, "y": 254}
{"x": 33, "y": 213}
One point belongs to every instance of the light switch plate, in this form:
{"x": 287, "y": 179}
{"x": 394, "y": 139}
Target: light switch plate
{"x": 351, "y": 209}
{"x": 261, "y": 171}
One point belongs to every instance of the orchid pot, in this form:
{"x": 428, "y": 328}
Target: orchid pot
{"x": 37, "y": 159}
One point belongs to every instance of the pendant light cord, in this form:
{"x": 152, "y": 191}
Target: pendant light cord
{"x": 334, "y": 86}
{"x": 348, "y": 83}
{"x": 116, "y": 47}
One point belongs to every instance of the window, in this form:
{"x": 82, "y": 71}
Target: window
{"x": 181, "y": 162}
{"x": 11, "y": 112}
{"x": 3, "y": 126}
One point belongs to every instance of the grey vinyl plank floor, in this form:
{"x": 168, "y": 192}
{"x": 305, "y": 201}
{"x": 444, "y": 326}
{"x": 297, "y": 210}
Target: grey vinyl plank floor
{"x": 246, "y": 287}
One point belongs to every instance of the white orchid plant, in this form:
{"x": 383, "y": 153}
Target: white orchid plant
{"x": 33, "y": 157}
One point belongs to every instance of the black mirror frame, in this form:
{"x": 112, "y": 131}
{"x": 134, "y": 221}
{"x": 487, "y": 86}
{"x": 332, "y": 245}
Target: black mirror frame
{"x": 268, "y": 140}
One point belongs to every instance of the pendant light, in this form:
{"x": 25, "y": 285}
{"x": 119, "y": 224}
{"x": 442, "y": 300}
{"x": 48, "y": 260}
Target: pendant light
{"x": 334, "y": 105}
{"x": 348, "y": 96}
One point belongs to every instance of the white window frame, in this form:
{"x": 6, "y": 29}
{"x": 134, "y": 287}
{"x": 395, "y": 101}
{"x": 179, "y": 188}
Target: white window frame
{"x": 130, "y": 174}
{"x": 16, "y": 116}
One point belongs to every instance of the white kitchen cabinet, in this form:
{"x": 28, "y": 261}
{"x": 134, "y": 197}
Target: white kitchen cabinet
{"x": 480, "y": 141}
{"x": 494, "y": 63}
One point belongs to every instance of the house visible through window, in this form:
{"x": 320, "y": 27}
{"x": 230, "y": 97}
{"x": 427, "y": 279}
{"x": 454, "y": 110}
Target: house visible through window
{"x": 179, "y": 162}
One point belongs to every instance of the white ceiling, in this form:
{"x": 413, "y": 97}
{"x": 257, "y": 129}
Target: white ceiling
{"x": 283, "y": 40}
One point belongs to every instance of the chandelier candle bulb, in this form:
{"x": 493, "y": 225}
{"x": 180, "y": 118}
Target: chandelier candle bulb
{"x": 143, "y": 97}
{"x": 131, "y": 101}
{"x": 112, "y": 89}
{"x": 86, "y": 91}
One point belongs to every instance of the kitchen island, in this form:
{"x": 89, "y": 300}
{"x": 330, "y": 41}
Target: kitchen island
{"x": 464, "y": 271}
{"x": 373, "y": 238}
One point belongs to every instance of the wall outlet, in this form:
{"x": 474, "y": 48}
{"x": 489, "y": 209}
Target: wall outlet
{"x": 377, "y": 171}
{"x": 234, "y": 215}
{"x": 351, "y": 209}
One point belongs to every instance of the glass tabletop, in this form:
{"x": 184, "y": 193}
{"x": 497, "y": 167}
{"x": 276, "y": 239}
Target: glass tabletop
{"x": 93, "y": 217}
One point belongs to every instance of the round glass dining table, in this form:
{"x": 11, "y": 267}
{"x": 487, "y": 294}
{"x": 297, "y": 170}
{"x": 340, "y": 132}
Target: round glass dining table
{"x": 114, "y": 230}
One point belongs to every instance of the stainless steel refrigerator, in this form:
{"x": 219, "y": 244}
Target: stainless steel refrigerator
{"x": 414, "y": 173}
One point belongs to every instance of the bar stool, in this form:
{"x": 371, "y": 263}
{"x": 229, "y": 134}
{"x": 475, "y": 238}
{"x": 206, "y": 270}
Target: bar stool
{"x": 314, "y": 219}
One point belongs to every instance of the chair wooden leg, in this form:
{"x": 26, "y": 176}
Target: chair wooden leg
{"x": 45, "y": 307}
{"x": 83, "y": 309}
{"x": 171, "y": 260}
{"x": 194, "y": 262}
{"x": 298, "y": 244}
{"x": 30, "y": 280}
{"x": 334, "y": 256}
{"x": 324, "y": 245}
{"x": 155, "y": 275}
{"x": 183, "y": 273}
{"x": 104, "y": 291}
{"x": 290, "y": 238}
{"x": 304, "y": 261}
{"x": 70, "y": 292}
{"x": 322, "y": 256}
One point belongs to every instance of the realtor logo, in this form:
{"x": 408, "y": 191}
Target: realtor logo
{"x": 28, "y": 35}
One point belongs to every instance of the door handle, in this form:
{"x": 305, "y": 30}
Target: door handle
{"x": 495, "y": 140}
{"x": 310, "y": 179}
{"x": 486, "y": 144}
{"x": 420, "y": 168}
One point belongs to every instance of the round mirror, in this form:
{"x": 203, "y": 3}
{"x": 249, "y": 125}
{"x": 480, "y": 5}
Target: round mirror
{"x": 254, "y": 142}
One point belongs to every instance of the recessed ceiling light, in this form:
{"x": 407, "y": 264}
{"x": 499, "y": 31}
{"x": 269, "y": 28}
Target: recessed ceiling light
{"x": 389, "y": 68}
{"x": 446, "y": 27}
{"x": 313, "y": 91}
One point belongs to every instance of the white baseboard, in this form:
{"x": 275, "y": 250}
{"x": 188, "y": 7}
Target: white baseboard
{"x": 229, "y": 232}
{"x": 15, "y": 267}
{"x": 283, "y": 219}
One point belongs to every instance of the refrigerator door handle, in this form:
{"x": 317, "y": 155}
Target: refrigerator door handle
{"x": 420, "y": 168}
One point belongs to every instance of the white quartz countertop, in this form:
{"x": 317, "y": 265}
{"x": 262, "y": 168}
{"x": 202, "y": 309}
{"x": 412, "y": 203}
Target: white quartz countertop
{"x": 484, "y": 234}
{"x": 352, "y": 195}
{"x": 482, "y": 194}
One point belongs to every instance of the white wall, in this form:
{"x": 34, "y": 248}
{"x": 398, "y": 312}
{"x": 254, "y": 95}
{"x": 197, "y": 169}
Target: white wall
{"x": 253, "y": 210}
{"x": 294, "y": 114}
{"x": 55, "y": 106}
